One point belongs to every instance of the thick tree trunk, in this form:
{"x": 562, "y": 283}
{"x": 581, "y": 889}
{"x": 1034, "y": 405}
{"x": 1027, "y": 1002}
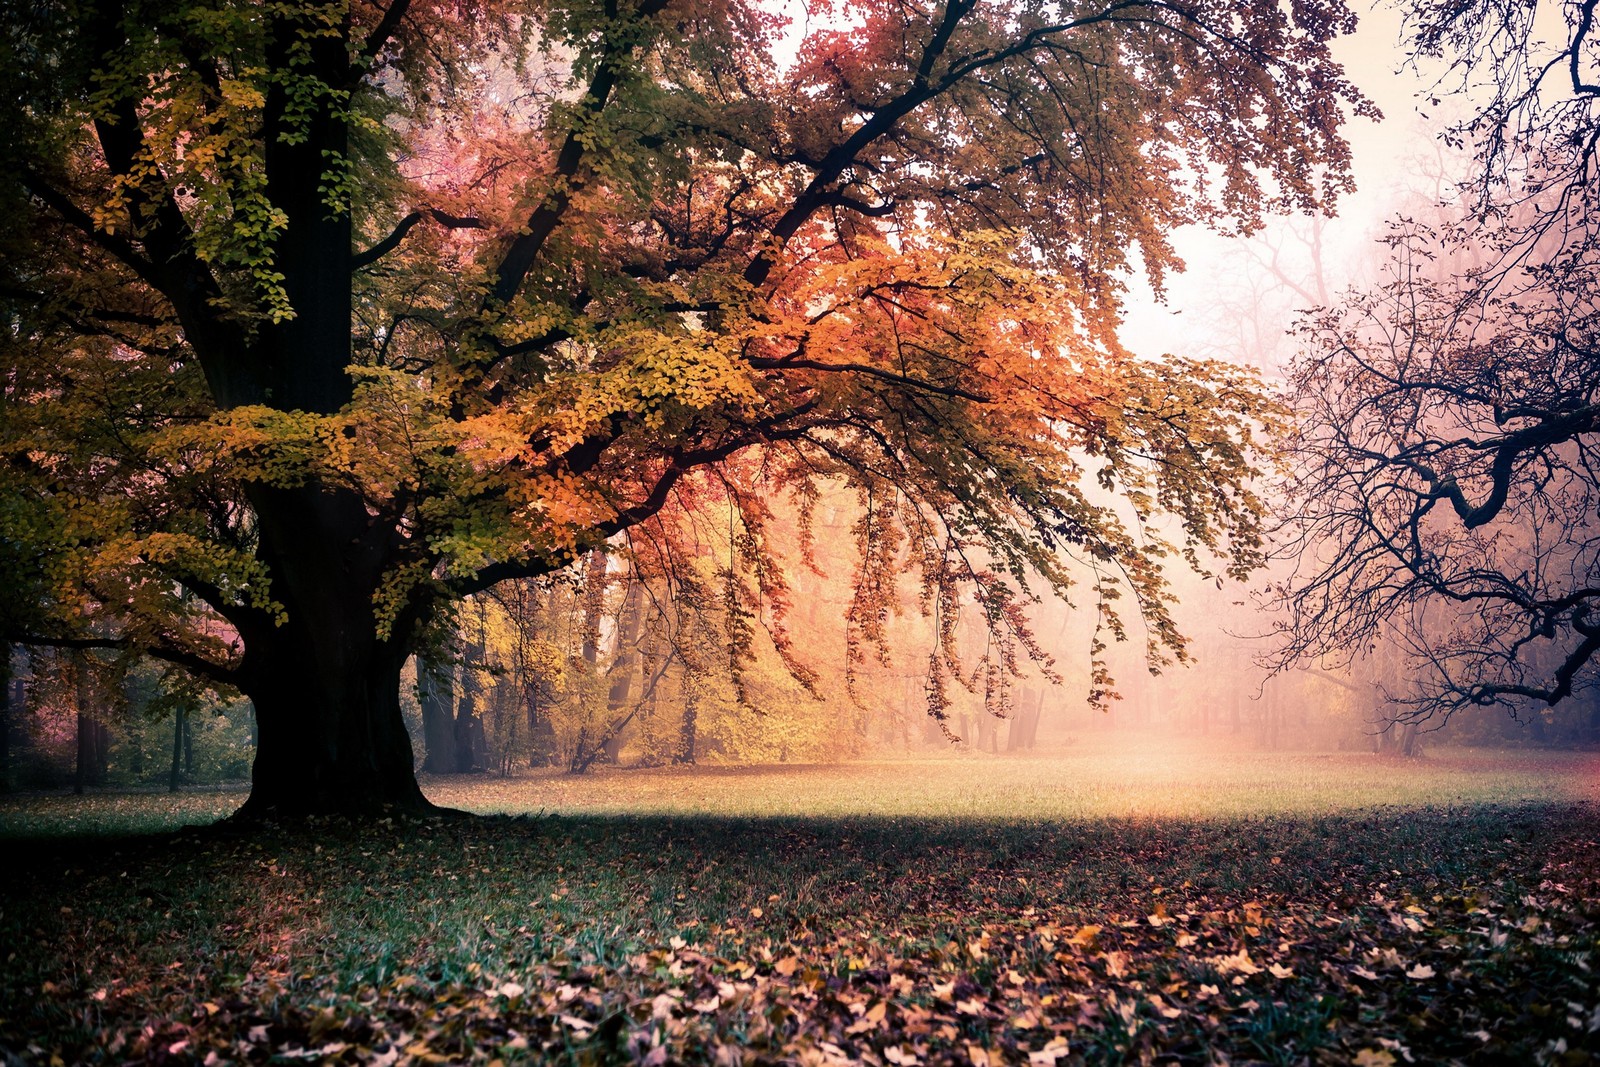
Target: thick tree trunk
{"x": 324, "y": 682}
{"x": 326, "y": 691}
{"x": 333, "y": 741}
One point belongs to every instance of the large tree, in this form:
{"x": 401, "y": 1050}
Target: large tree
{"x": 322, "y": 314}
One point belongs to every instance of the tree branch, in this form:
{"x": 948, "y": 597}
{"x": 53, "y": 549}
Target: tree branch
{"x": 784, "y": 363}
{"x": 519, "y": 257}
{"x": 405, "y": 226}
{"x": 384, "y": 29}
{"x": 180, "y": 657}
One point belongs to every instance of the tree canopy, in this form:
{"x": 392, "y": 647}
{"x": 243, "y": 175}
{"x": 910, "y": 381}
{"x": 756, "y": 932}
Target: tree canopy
{"x": 321, "y": 315}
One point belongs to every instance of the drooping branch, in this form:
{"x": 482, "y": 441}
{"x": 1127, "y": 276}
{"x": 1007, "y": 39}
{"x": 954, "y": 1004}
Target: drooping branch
{"x": 104, "y": 314}
{"x": 80, "y": 220}
{"x": 679, "y": 463}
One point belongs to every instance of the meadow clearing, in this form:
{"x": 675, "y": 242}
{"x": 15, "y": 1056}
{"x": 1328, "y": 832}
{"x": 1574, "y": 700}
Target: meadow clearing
{"x": 1116, "y": 900}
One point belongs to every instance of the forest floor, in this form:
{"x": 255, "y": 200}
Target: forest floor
{"x": 1092, "y": 904}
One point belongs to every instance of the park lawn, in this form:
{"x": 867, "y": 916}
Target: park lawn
{"x": 1085, "y": 907}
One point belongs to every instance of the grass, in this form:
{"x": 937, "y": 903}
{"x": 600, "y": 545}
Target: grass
{"x": 1095, "y": 905}
{"x": 1103, "y": 777}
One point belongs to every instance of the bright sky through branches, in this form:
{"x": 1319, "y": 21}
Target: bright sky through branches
{"x": 1388, "y": 156}
{"x": 1387, "y": 160}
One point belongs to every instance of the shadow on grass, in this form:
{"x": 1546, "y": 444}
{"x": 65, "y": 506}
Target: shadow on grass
{"x": 378, "y": 919}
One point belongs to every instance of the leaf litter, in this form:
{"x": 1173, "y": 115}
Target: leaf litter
{"x": 640, "y": 941}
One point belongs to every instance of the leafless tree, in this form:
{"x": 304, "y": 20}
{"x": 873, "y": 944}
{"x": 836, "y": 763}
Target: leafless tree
{"x": 1444, "y": 494}
{"x": 1445, "y": 487}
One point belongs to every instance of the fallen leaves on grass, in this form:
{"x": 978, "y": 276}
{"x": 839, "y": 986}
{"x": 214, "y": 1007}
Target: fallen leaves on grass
{"x": 1405, "y": 970}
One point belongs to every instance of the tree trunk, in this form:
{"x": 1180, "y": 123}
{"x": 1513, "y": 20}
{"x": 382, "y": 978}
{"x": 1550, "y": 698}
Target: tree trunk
{"x": 5, "y": 715}
{"x": 80, "y": 765}
{"x": 468, "y": 730}
{"x": 180, "y": 726}
{"x": 326, "y": 692}
{"x": 84, "y": 758}
{"x": 89, "y": 768}
{"x": 1408, "y": 739}
{"x": 438, "y": 723}
{"x": 324, "y": 682}
{"x": 1030, "y": 719}
{"x": 624, "y": 666}
{"x": 134, "y": 731}
{"x": 1536, "y": 727}
{"x": 686, "y": 732}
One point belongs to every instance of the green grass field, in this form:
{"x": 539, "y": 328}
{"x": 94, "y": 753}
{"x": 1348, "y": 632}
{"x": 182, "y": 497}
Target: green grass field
{"x": 1099, "y": 904}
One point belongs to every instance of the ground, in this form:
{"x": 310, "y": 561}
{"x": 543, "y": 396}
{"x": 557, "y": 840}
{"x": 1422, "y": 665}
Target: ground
{"x": 1095, "y": 904}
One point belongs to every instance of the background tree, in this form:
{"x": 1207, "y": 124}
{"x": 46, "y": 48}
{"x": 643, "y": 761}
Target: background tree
{"x": 1446, "y": 487}
{"x": 1448, "y": 482}
{"x": 323, "y": 314}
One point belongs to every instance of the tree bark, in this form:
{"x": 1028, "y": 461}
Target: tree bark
{"x": 87, "y": 761}
{"x": 326, "y": 691}
{"x": 438, "y": 723}
{"x": 468, "y": 730}
{"x": 687, "y": 738}
{"x": 624, "y": 666}
{"x": 324, "y": 682}
{"x": 5, "y": 715}
{"x": 1408, "y": 739}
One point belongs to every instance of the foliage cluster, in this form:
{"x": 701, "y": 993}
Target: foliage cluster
{"x": 324, "y": 315}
